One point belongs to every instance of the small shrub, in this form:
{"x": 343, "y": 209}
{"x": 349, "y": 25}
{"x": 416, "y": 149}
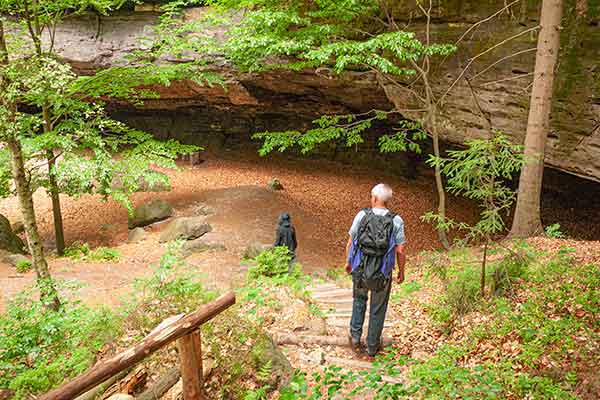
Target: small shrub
{"x": 23, "y": 266}
{"x": 506, "y": 272}
{"x": 102, "y": 254}
{"x": 462, "y": 291}
{"x": 271, "y": 263}
{"x": 77, "y": 250}
{"x": 82, "y": 252}
{"x": 553, "y": 231}
{"x": 172, "y": 289}
{"x": 336, "y": 273}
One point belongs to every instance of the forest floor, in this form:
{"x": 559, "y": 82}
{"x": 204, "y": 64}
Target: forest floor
{"x": 322, "y": 198}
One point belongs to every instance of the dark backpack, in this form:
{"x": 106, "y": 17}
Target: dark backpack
{"x": 373, "y": 240}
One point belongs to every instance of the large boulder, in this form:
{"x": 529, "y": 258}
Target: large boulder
{"x": 9, "y": 241}
{"x": 186, "y": 228}
{"x": 147, "y": 213}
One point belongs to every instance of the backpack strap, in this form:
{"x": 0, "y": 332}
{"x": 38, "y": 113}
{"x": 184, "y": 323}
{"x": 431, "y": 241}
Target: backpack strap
{"x": 362, "y": 225}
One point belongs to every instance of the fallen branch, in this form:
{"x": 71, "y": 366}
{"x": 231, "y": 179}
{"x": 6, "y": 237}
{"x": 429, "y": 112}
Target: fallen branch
{"x": 161, "y": 386}
{"x": 99, "y": 390}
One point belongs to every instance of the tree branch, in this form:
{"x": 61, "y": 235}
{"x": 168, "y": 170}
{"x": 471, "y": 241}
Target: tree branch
{"x": 503, "y": 59}
{"x": 462, "y": 73}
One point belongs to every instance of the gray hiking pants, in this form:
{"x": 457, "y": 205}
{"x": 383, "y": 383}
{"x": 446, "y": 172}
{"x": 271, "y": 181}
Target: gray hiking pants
{"x": 379, "y": 303}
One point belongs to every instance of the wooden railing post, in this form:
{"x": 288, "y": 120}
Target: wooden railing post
{"x": 174, "y": 328}
{"x": 190, "y": 363}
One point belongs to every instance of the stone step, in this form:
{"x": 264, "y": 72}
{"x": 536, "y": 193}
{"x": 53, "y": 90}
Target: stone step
{"x": 334, "y": 300}
{"x": 335, "y": 293}
{"x": 345, "y": 323}
{"x": 323, "y": 287}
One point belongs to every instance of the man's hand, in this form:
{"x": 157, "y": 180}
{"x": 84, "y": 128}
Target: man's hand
{"x": 348, "y": 268}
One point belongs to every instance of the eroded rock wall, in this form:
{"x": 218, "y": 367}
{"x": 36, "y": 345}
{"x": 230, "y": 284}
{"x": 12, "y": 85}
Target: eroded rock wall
{"x": 290, "y": 100}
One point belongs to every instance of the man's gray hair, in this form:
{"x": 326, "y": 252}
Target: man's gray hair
{"x": 383, "y": 192}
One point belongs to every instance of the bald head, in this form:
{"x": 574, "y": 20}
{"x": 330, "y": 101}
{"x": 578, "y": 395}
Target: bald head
{"x": 381, "y": 194}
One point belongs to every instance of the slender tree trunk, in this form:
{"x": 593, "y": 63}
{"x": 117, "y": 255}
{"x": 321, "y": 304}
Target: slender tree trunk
{"x": 527, "y": 220}
{"x": 59, "y": 231}
{"x": 483, "y": 265}
{"x": 48, "y": 293}
{"x": 439, "y": 184}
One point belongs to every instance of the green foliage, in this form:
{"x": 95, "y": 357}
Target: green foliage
{"x": 125, "y": 82}
{"x": 275, "y": 262}
{"x": 77, "y": 251}
{"x": 257, "y": 394}
{"x": 23, "y": 266}
{"x": 104, "y": 254}
{"x": 460, "y": 277}
{"x": 40, "y": 348}
{"x": 507, "y": 271}
{"x": 334, "y": 382}
{"x": 173, "y": 288}
{"x": 404, "y": 290}
{"x": 553, "y": 231}
{"x": 479, "y": 172}
{"x": 335, "y": 36}
{"x": 264, "y": 373}
{"x": 82, "y": 252}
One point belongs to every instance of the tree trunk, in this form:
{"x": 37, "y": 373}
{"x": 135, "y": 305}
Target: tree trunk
{"x": 483, "y": 264}
{"x": 48, "y": 293}
{"x": 439, "y": 184}
{"x": 59, "y": 232}
{"x": 527, "y": 220}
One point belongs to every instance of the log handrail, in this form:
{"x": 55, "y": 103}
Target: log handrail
{"x": 157, "y": 339}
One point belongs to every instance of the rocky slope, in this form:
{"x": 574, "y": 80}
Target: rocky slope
{"x": 250, "y": 103}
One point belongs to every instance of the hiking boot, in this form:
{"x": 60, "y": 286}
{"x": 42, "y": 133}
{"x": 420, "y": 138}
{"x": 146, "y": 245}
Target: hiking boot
{"x": 373, "y": 352}
{"x": 354, "y": 344}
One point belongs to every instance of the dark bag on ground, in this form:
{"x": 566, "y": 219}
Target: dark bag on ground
{"x": 373, "y": 239}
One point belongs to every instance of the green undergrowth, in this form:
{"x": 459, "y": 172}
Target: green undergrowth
{"x": 536, "y": 336}
{"x": 39, "y": 348}
{"x": 541, "y": 341}
{"x": 83, "y": 252}
{"x": 273, "y": 269}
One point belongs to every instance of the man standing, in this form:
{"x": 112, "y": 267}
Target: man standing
{"x": 375, "y": 244}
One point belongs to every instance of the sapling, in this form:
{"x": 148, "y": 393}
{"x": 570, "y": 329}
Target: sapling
{"x": 480, "y": 172}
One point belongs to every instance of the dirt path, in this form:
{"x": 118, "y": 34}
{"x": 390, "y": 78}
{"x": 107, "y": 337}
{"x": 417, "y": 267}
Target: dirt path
{"x": 321, "y": 197}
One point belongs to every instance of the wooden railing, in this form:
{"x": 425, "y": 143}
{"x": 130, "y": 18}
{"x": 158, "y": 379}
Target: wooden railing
{"x": 182, "y": 327}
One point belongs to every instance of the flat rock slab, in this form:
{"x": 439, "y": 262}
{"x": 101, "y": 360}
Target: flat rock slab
{"x": 186, "y": 228}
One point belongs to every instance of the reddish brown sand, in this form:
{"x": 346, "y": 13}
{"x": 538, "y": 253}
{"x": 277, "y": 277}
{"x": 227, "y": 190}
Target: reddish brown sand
{"x": 321, "y": 197}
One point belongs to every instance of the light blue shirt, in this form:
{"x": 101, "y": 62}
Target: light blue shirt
{"x": 398, "y": 224}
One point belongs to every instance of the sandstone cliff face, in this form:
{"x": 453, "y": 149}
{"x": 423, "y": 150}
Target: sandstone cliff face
{"x": 290, "y": 100}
